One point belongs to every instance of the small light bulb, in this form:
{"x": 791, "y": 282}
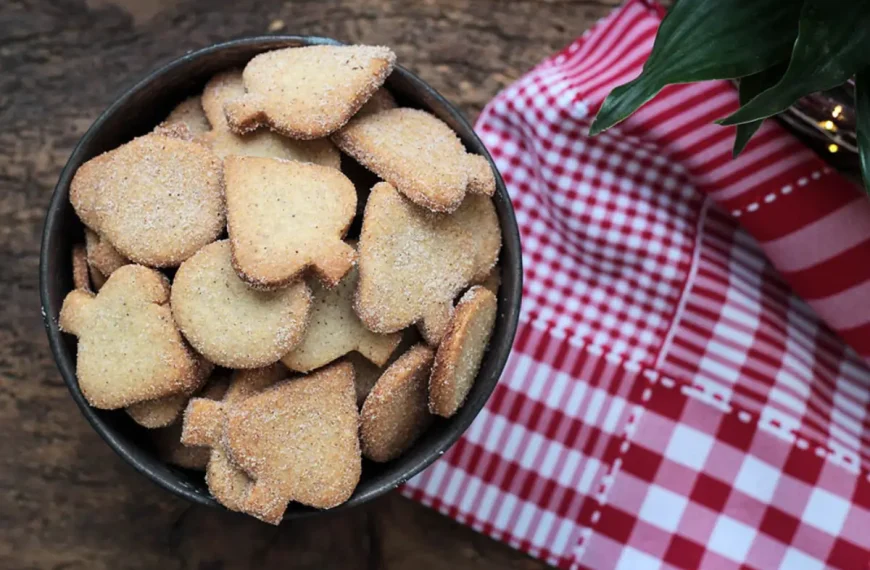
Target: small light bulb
{"x": 829, "y": 125}
{"x": 838, "y": 110}
{"x": 832, "y": 148}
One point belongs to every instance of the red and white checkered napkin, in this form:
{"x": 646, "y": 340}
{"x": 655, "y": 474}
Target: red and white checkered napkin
{"x": 676, "y": 397}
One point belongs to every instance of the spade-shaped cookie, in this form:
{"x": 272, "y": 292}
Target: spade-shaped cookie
{"x": 308, "y": 92}
{"x": 285, "y": 217}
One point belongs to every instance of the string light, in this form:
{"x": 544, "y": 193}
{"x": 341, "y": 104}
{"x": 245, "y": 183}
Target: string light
{"x": 832, "y": 148}
{"x": 838, "y": 110}
{"x": 828, "y": 126}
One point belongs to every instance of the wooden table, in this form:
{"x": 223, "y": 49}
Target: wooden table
{"x": 66, "y": 501}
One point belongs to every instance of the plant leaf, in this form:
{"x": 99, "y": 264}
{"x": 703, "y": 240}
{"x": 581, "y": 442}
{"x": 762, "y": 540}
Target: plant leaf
{"x": 862, "y": 106}
{"x": 707, "y": 39}
{"x": 833, "y": 43}
{"x": 750, "y": 86}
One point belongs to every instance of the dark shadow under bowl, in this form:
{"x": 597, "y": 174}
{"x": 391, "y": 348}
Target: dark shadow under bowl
{"x": 136, "y": 112}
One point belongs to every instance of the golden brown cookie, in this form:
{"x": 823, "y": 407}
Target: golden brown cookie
{"x": 461, "y": 351}
{"x": 97, "y": 278}
{"x": 382, "y": 100}
{"x": 285, "y": 217}
{"x": 334, "y": 330}
{"x": 80, "y": 268}
{"x": 168, "y": 440}
{"x": 190, "y": 114}
{"x": 297, "y": 440}
{"x": 396, "y": 411}
{"x": 157, "y": 199}
{"x": 493, "y": 280}
{"x": 366, "y": 375}
{"x": 477, "y": 214}
{"x": 129, "y": 348}
{"x": 203, "y": 426}
{"x": 227, "y": 86}
{"x": 229, "y": 323}
{"x": 308, "y": 92}
{"x": 158, "y": 413}
{"x": 101, "y": 255}
{"x": 419, "y": 155}
{"x": 413, "y": 263}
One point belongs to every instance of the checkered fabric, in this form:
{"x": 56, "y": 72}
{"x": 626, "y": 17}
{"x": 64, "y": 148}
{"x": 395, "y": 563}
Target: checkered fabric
{"x": 677, "y": 396}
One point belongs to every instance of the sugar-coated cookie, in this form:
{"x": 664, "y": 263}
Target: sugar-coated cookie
{"x": 129, "y": 348}
{"x": 80, "y": 272}
{"x": 157, "y": 199}
{"x": 461, "y": 351}
{"x": 382, "y": 100}
{"x": 97, "y": 278}
{"x": 285, "y": 217}
{"x": 493, "y": 280}
{"x": 335, "y": 330}
{"x": 298, "y": 440}
{"x": 412, "y": 264}
{"x": 168, "y": 440}
{"x": 396, "y": 411}
{"x": 366, "y": 375}
{"x": 418, "y": 154}
{"x": 477, "y": 214}
{"x": 227, "y": 86}
{"x": 204, "y": 425}
{"x": 229, "y": 323}
{"x": 101, "y": 255}
{"x": 158, "y": 413}
{"x": 308, "y": 92}
{"x": 190, "y": 114}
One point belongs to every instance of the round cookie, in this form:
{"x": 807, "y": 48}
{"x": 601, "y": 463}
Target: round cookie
{"x": 395, "y": 412}
{"x": 461, "y": 351}
{"x": 229, "y": 323}
{"x": 157, "y": 199}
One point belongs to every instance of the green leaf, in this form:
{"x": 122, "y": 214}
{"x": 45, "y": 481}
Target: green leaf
{"x": 833, "y": 43}
{"x": 862, "y": 107}
{"x": 750, "y": 86}
{"x": 707, "y": 39}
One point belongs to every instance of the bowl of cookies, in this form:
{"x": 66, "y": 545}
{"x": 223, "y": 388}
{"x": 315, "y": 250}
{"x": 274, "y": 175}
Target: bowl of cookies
{"x": 280, "y": 274}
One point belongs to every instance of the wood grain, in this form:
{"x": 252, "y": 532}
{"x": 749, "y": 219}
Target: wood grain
{"x": 66, "y": 501}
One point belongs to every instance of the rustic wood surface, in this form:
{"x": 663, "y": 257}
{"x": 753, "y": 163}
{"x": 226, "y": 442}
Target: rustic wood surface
{"x": 66, "y": 501}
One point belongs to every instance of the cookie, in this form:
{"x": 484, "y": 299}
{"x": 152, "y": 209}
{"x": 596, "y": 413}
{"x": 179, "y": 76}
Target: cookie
{"x": 334, "y": 330}
{"x": 129, "y": 348}
{"x": 229, "y": 323}
{"x": 285, "y": 217}
{"x": 190, "y": 114}
{"x": 158, "y": 413}
{"x": 493, "y": 280}
{"x": 366, "y": 376}
{"x": 297, "y": 440}
{"x": 382, "y": 100}
{"x": 157, "y": 199}
{"x": 168, "y": 440}
{"x": 419, "y": 155}
{"x": 227, "y": 86}
{"x": 477, "y": 214}
{"x": 461, "y": 351}
{"x": 80, "y": 272}
{"x": 101, "y": 255}
{"x": 97, "y": 278}
{"x": 396, "y": 411}
{"x": 413, "y": 263}
{"x": 162, "y": 412}
{"x": 308, "y": 92}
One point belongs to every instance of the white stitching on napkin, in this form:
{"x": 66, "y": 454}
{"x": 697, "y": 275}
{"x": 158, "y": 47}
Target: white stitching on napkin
{"x": 784, "y": 191}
